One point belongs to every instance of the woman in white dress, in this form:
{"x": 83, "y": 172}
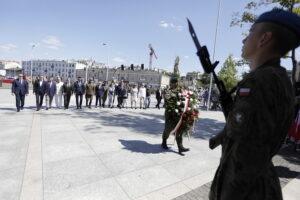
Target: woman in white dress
{"x": 142, "y": 96}
{"x": 134, "y": 96}
{"x": 58, "y": 95}
{"x": 111, "y": 94}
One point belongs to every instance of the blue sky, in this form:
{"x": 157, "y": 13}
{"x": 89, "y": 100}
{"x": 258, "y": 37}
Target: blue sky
{"x": 76, "y": 29}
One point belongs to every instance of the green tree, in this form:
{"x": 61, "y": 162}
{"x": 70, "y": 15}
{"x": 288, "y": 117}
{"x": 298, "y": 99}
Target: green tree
{"x": 205, "y": 79}
{"x": 249, "y": 16}
{"x": 228, "y": 73}
{"x": 199, "y": 84}
{"x": 176, "y": 68}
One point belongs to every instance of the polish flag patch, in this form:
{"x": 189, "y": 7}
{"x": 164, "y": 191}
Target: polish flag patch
{"x": 243, "y": 92}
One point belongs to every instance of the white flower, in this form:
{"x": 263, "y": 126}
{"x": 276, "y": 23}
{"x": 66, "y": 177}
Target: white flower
{"x": 176, "y": 110}
{"x": 191, "y": 92}
{"x": 189, "y": 108}
{"x": 178, "y": 103}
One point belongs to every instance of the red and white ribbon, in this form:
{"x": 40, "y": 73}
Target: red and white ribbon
{"x": 186, "y": 103}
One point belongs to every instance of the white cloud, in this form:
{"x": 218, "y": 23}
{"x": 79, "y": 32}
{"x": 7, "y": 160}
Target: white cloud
{"x": 52, "y": 42}
{"x": 119, "y": 60}
{"x": 186, "y": 57}
{"x": 8, "y": 47}
{"x": 165, "y": 24}
{"x": 179, "y": 28}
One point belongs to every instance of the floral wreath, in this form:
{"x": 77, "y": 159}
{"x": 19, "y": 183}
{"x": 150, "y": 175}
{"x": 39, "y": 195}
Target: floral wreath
{"x": 182, "y": 103}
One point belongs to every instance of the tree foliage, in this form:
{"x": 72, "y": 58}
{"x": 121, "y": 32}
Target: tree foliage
{"x": 205, "y": 79}
{"x": 228, "y": 73}
{"x": 249, "y": 16}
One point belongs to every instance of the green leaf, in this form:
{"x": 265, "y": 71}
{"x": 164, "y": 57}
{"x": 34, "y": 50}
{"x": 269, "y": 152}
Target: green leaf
{"x": 297, "y": 10}
{"x": 228, "y": 73}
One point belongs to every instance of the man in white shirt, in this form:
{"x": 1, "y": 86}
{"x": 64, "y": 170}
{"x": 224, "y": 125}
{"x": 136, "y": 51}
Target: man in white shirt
{"x": 58, "y": 95}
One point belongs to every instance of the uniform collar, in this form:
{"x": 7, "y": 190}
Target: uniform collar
{"x": 270, "y": 63}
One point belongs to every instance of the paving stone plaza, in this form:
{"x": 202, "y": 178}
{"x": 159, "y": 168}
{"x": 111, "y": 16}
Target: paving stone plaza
{"x": 110, "y": 154}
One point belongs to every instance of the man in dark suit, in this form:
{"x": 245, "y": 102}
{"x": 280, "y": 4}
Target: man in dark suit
{"x": 158, "y": 97}
{"x": 79, "y": 90}
{"x": 50, "y": 92}
{"x": 67, "y": 90}
{"x": 40, "y": 88}
{"x": 19, "y": 89}
{"x": 121, "y": 91}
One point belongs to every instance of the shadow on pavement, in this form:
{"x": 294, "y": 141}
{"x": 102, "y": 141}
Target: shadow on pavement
{"x": 284, "y": 172}
{"x": 139, "y": 146}
{"x": 10, "y": 109}
{"x": 290, "y": 155}
{"x": 206, "y": 128}
{"x": 144, "y": 123}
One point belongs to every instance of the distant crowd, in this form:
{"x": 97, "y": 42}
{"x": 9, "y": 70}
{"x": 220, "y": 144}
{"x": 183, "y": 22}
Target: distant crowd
{"x": 106, "y": 94}
{"x": 97, "y": 94}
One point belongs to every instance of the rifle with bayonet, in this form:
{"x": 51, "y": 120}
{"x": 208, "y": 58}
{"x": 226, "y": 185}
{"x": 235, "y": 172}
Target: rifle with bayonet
{"x": 225, "y": 97}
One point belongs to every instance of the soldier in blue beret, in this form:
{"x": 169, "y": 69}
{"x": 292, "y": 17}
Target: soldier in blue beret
{"x": 261, "y": 114}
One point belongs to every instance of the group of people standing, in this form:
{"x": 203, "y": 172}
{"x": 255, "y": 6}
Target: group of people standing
{"x": 49, "y": 89}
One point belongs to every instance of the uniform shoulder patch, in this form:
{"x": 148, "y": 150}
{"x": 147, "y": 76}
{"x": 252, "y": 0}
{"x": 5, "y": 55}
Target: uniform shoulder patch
{"x": 244, "y": 92}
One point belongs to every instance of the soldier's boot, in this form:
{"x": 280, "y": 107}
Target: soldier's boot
{"x": 180, "y": 146}
{"x": 164, "y": 144}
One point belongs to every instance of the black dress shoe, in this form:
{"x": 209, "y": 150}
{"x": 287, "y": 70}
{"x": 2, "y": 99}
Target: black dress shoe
{"x": 22, "y": 108}
{"x": 46, "y": 108}
{"x": 18, "y": 110}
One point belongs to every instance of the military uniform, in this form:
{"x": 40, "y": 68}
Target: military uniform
{"x": 89, "y": 92}
{"x": 257, "y": 125}
{"x": 172, "y": 118}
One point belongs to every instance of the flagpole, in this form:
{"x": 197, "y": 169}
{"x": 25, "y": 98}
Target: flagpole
{"x": 213, "y": 60}
{"x": 32, "y": 46}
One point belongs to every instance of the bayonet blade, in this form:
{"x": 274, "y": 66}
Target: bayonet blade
{"x": 194, "y": 36}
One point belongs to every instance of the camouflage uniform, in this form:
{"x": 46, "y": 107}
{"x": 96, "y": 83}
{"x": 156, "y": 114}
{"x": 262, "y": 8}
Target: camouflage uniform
{"x": 171, "y": 118}
{"x": 256, "y": 127}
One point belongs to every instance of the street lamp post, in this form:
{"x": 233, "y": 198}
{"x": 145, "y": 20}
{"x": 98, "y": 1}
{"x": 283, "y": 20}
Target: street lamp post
{"x": 32, "y": 46}
{"x": 104, "y": 44}
{"x": 216, "y": 33}
{"x": 93, "y": 70}
{"x": 86, "y": 69}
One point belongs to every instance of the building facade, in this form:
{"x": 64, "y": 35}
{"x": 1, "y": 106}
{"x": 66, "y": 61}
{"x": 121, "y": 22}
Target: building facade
{"x": 154, "y": 78}
{"x": 10, "y": 68}
{"x": 191, "y": 78}
{"x": 51, "y": 68}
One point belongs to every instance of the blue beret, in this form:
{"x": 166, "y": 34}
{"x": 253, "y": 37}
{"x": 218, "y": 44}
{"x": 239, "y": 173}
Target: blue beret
{"x": 285, "y": 18}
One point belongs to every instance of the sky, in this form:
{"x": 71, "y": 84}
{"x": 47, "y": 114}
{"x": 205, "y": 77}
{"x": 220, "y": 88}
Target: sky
{"x": 78, "y": 29}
